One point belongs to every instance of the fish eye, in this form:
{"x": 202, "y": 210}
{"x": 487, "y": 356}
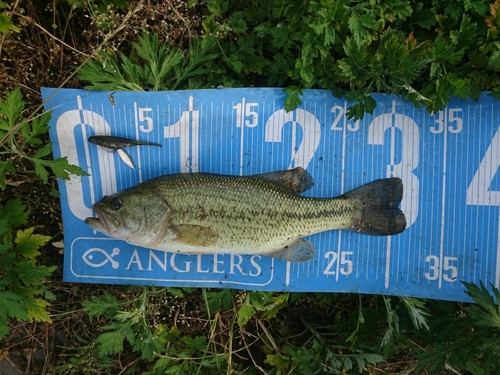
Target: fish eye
{"x": 115, "y": 203}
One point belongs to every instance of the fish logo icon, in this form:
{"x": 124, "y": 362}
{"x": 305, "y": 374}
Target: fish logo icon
{"x": 97, "y": 257}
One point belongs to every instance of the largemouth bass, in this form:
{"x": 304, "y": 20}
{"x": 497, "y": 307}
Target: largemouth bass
{"x": 261, "y": 214}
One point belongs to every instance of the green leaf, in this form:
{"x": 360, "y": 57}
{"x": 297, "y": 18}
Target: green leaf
{"x": 278, "y": 361}
{"x": 176, "y": 292}
{"x": 6, "y": 166}
{"x": 362, "y": 27}
{"x": 33, "y": 275}
{"x": 37, "y": 309}
{"x": 466, "y": 34}
{"x": 418, "y": 312}
{"x": 12, "y": 215}
{"x": 37, "y": 127}
{"x": 44, "y": 151}
{"x": 365, "y": 105}
{"x": 12, "y": 306}
{"x": 218, "y": 7}
{"x": 478, "y": 6}
{"x": 40, "y": 170}
{"x": 293, "y": 100}
{"x": 245, "y": 313}
{"x": 6, "y": 24}
{"x": 237, "y": 22}
{"x": 29, "y": 243}
{"x": 106, "y": 306}
{"x": 392, "y": 323}
{"x": 60, "y": 167}
{"x": 105, "y": 74}
{"x": 110, "y": 342}
{"x": 220, "y": 300}
{"x": 12, "y": 106}
{"x": 487, "y": 314}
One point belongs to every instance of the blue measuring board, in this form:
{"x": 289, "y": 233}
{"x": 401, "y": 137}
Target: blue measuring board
{"x": 448, "y": 162}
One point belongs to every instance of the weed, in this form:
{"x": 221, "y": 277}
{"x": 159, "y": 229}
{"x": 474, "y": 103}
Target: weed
{"x": 351, "y": 48}
{"x": 28, "y": 143}
{"x": 6, "y": 24}
{"x": 155, "y": 67}
{"x": 23, "y": 293}
{"x": 466, "y": 343}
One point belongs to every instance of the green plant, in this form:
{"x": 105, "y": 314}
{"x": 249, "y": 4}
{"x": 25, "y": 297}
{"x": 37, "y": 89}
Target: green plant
{"x": 151, "y": 66}
{"x": 132, "y": 325}
{"x": 6, "y": 24}
{"x": 318, "y": 353}
{"x": 23, "y": 293}
{"x": 269, "y": 304}
{"x": 23, "y": 140}
{"x": 426, "y": 51}
{"x": 469, "y": 342}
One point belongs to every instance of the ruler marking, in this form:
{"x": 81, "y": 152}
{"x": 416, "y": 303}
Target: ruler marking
{"x": 342, "y": 187}
{"x": 443, "y": 198}
{"x": 392, "y": 161}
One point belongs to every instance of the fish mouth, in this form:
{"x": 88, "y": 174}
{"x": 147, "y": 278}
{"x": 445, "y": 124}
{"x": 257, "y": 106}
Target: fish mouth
{"x": 103, "y": 222}
{"x": 96, "y": 223}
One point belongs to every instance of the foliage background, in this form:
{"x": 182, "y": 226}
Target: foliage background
{"x": 424, "y": 50}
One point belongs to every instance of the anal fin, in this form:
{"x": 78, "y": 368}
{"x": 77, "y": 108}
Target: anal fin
{"x": 298, "y": 251}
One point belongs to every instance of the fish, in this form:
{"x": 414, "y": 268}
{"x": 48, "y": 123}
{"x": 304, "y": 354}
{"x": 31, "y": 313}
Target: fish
{"x": 115, "y": 143}
{"x": 265, "y": 214}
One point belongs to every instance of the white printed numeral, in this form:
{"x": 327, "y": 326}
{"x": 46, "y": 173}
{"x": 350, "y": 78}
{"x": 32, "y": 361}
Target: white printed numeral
{"x": 186, "y": 130}
{"x": 345, "y": 265}
{"x": 450, "y": 117}
{"x": 410, "y": 142}
{"x": 246, "y": 115}
{"x": 78, "y": 187}
{"x": 146, "y": 125}
{"x": 339, "y": 115}
{"x": 311, "y": 129}
{"x": 478, "y": 192}
{"x": 448, "y": 271}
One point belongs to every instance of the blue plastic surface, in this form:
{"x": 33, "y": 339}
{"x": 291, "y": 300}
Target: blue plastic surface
{"x": 448, "y": 162}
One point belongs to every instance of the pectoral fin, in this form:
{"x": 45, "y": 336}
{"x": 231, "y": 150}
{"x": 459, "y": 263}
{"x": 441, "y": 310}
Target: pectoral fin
{"x": 195, "y": 235}
{"x": 298, "y": 251}
{"x": 293, "y": 181}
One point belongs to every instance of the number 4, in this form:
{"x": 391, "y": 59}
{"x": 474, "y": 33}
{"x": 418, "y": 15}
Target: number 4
{"x": 478, "y": 192}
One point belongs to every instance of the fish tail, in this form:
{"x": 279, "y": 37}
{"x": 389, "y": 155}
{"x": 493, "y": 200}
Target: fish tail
{"x": 379, "y": 214}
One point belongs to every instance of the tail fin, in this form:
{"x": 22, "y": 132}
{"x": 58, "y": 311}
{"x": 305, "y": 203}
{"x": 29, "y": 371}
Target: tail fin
{"x": 380, "y": 214}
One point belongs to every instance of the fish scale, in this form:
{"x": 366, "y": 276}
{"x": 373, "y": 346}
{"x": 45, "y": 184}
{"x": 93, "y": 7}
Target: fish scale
{"x": 262, "y": 214}
{"x": 236, "y": 203}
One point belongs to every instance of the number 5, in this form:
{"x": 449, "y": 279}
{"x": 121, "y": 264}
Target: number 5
{"x": 141, "y": 117}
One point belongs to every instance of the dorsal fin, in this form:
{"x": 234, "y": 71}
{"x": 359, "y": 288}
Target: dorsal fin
{"x": 293, "y": 181}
